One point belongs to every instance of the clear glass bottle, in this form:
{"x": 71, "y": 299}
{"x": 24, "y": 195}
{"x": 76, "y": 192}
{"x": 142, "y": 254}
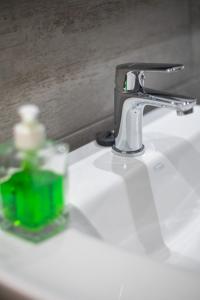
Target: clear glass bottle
{"x": 33, "y": 181}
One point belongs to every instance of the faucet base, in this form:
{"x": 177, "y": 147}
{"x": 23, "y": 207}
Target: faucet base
{"x": 128, "y": 153}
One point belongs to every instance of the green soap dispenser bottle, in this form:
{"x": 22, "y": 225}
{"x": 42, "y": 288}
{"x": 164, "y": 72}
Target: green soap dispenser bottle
{"x": 33, "y": 180}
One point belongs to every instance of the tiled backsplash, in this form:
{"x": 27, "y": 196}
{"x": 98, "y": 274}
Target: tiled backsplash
{"x": 61, "y": 55}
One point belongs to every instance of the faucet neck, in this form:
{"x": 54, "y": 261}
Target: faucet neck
{"x": 129, "y": 137}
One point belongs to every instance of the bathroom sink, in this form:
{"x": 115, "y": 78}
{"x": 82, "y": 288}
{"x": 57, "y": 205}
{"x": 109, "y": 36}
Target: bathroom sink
{"x": 147, "y": 205}
{"x": 134, "y": 224}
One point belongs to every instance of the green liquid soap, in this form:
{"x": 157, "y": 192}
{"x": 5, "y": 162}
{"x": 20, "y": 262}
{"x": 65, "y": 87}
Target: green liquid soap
{"x": 32, "y": 198}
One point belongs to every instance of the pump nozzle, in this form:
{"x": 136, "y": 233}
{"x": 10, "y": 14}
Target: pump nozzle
{"x": 29, "y": 134}
{"x": 29, "y": 113}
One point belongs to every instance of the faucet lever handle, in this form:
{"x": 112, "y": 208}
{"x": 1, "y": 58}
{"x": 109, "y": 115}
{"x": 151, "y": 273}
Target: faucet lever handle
{"x": 149, "y": 67}
{"x": 130, "y": 76}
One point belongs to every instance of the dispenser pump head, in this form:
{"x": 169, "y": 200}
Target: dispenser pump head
{"x": 29, "y": 134}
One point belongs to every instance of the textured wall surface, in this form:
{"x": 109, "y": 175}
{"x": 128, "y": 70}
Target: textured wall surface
{"x": 61, "y": 55}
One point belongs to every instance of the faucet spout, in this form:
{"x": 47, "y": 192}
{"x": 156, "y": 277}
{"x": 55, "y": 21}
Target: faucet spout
{"x": 172, "y": 101}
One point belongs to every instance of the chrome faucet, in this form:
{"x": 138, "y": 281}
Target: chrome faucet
{"x": 130, "y": 99}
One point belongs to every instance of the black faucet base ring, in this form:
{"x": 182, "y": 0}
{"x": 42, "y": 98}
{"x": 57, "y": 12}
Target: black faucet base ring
{"x": 106, "y": 138}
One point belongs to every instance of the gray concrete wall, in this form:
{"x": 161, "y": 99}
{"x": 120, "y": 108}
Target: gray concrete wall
{"x": 61, "y": 55}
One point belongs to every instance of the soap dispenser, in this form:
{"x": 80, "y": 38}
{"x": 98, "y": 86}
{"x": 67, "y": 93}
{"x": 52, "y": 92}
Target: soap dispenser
{"x": 33, "y": 180}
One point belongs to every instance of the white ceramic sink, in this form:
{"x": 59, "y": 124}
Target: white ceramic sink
{"x": 149, "y": 205}
{"x": 134, "y": 228}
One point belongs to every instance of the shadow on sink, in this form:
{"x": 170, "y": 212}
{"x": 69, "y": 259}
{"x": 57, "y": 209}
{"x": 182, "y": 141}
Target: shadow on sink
{"x": 78, "y": 221}
{"x": 141, "y": 200}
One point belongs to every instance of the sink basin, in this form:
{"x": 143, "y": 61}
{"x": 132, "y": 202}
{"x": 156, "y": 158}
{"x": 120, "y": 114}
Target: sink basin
{"x": 134, "y": 225}
{"x": 148, "y": 205}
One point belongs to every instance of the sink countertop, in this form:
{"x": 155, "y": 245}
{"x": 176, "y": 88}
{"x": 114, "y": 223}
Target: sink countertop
{"x": 75, "y": 265}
